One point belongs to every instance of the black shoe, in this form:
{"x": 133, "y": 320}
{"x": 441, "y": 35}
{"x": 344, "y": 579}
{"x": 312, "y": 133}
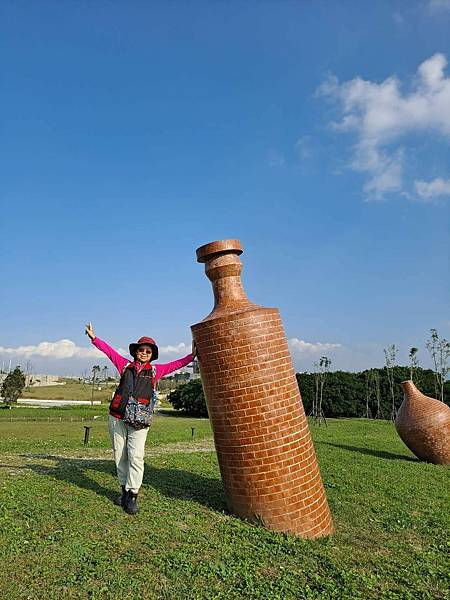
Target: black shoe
{"x": 131, "y": 505}
{"x": 120, "y": 500}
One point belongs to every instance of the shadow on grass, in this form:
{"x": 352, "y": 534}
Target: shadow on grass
{"x": 172, "y": 483}
{"x": 185, "y": 485}
{"x": 171, "y": 412}
{"x": 372, "y": 452}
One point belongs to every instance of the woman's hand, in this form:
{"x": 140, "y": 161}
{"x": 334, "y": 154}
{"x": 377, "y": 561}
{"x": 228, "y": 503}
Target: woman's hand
{"x": 90, "y": 331}
{"x": 194, "y": 349}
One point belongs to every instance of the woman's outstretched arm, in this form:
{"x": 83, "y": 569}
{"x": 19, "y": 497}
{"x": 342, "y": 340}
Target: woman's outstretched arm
{"x": 117, "y": 359}
{"x": 165, "y": 369}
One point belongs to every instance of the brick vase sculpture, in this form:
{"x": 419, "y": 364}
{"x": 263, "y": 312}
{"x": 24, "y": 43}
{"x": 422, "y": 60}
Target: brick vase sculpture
{"x": 423, "y": 423}
{"x": 265, "y": 452}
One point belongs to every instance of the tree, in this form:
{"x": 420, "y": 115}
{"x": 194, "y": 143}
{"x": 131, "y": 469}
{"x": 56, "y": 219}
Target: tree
{"x": 105, "y": 373}
{"x": 322, "y": 370}
{"x": 390, "y": 354}
{"x": 367, "y": 381}
{"x": 95, "y": 370}
{"x": 28, "y": 371}
{"x": 440, "y": 353}
{"x": 379, "y": 414}
{"x": 413, "y": 362}
{"x": 189, "y": 398}
{"x": 12, "y": 386}
{"x": 315, "y": 400}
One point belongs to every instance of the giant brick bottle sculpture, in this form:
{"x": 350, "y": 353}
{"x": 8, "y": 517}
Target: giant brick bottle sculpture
{"x": 423, "y": 423}
{"x": 266, "y": 455}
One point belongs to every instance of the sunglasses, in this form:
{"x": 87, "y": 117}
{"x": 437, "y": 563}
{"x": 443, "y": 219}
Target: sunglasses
{"x": 144, "y": 350}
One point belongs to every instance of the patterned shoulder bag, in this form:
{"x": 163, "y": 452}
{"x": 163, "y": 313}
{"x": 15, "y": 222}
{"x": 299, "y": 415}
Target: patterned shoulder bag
{"x": 139, "y": 415}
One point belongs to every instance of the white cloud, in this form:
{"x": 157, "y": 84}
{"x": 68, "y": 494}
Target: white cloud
{"x": 178, "y": 349}
{"x": 300, "y": 346}
{"x": 432, "y": 189}
{"x": 439, "y": 6}
{"x": 381, "y": 114}
{"x": 385, "y": 170}
{"x": 64, "y": 349}
{"x": 56, "y": 350}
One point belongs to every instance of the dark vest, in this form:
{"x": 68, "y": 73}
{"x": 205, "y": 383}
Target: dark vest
{"x": 139, "y": 386}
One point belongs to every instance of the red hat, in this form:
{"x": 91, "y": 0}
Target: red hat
{"x": 145, "y": 341}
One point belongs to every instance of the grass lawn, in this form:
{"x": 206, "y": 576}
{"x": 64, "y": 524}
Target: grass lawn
{"x": 74, "y": 390}
{"x": 61, "y": 536}
{"x": 71, "y": 390}
{"x": 65, "y": 413}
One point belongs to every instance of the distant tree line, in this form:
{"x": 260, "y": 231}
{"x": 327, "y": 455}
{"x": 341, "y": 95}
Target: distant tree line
{"x": 346, "y": 393}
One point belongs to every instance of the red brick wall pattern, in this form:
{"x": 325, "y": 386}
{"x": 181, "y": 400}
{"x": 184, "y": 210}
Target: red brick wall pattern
{"x": 423, "y": 423}
{"x": 265, "y": 452}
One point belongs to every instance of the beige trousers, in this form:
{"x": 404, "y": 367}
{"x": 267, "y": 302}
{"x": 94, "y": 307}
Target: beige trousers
{"x": 128, "y": 445}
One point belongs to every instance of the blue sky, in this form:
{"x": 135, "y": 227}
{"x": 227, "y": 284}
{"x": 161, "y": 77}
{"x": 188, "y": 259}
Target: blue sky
{"x": 315, "y": 132}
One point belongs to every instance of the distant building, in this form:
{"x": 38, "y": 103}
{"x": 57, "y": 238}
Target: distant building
{"x": 195, "y": 369}
{"x": 36, "y": 380}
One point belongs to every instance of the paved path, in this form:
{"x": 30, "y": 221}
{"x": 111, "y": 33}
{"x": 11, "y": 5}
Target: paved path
{"x": 48, "y": 403}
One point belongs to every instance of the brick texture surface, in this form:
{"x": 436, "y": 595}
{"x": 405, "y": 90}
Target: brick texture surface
{"x": 265, "y": 452}
{"x": 423, "y": 423}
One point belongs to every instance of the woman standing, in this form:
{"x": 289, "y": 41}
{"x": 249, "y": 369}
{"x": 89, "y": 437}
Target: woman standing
{"x": 137, "y": 380}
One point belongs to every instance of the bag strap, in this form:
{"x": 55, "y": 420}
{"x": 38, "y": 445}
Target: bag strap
{"x": 154, "y": 382}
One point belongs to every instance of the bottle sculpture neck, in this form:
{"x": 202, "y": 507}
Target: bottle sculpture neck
{"x": 409, "y": 388}
{"x": 223, "y": 268}
{"x": 412, "y": 394}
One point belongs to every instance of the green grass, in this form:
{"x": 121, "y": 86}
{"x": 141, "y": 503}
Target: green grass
{"x": 38, "y": 436}
{"x": 61, "y": 536}
{"x": 71, "y": 390}
{"x": 27, "y": 413}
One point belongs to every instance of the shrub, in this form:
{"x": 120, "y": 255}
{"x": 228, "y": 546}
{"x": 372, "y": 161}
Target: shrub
{"x": 189, "y": 398}
{"x": 13, "y": 386}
